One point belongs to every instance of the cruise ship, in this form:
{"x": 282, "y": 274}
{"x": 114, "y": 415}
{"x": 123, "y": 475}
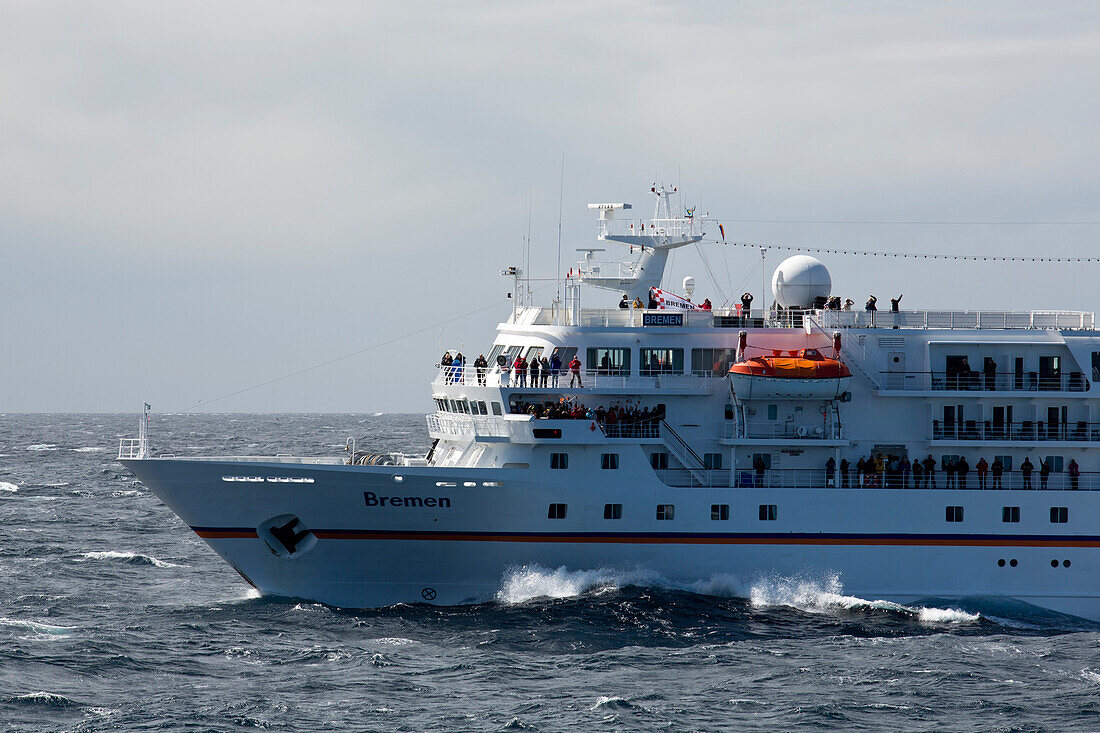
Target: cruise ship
{"x": 914, "y": 455}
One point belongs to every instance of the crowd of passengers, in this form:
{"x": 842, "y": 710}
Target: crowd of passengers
{"x": 892, "y": 472}
{"x": 628, "y": 419}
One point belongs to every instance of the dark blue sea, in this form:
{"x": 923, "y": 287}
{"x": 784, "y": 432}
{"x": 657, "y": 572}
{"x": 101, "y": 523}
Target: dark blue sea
{"x": 114, "y": 616}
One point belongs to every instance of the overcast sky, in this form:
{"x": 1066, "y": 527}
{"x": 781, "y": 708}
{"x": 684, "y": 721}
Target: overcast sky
{"x": 200, "y": 197}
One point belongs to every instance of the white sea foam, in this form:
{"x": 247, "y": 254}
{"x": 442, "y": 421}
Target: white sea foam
{"x": 39, "y": 629}
{"x": 42, "y": 446}
{"x": 826, "y": 595}
{"x": 134, "y": 557}
{"x": 89, "y": 449}
{"x": 9, "y": 487}
{"x": 45, "y": 699}
{"x": 534, "y": 581}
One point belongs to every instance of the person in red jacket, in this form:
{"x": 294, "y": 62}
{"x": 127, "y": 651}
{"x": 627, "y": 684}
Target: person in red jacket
{"x": 520, "y": 367}
{"x": 575, "y": 372}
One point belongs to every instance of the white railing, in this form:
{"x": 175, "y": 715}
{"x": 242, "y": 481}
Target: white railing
{"x": 131, "y": 448}
{"x": 461, "y": 425}
{"x": 1072, "y": 320}
{"x": 778, "y": 431}
{"x": 813, "y": 478}
{"x": 679, "y": 227}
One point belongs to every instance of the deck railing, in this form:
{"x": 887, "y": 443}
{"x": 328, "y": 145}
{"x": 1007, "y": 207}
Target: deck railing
{"x": 1023, "y": 431}
{"x": 462, "y": 425}
{"x": 985, "y": 381}
{"x": 807, "y": 478}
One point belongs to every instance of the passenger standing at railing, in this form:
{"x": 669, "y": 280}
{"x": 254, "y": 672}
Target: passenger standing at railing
{"x": 1025, "y": 470}
{"x": 861, "y": 472}
{"x": 1044, "y": 474}
{"x": 706, "y": 304}
{"x": 904, "y": 473}
{"x": 845, "y": 468}
{"x": 625, "y": 302}
{"x": 871, "y": 308}
{"x": 997, "y": 469}
{"x": 480, "y": 365}
{"x": 1074, "y": 474}
{"x": 758, "y": 467}
{"x": 949, "y": 469}
{"x": 637, "y": 304}
{"x": 895, "y": 304}
{"x": 929, "y": 464}
{"x": 989, "y": 371}
{"x": 830, "y": 473}
{"x": 555, "y": 368}
{"x": 535, "y": 369}
{"x": 918, "y": 474}
{"x": 544, "y": 370}
{"x": 456, "y": 368}
{"x": 982, "y": 468}
{"x": 519, "y": 366}
{"x": 445, "y": 362}
{"x": 848, "y": 303}
{"x": 962, "y": 468}
{"x": 575, "y": 372}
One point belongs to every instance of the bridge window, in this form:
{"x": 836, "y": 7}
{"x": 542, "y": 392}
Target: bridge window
{"x": 659, "y": 461}
{"x": 666, "y": 511}
{"x": 719, "y": 512}
{"x": 661, "y": 361}
{"x": 768, "y": 512}
{"x": 954, "y": 514}
{"x": 559, "y": 460}
{"x": 556, "y": 511}
{"x": 497, "y": 408}
{"x": 1010, "y": 514}
{"x": 1059, "y": 514}
{"x": 715, "y": 362}
{"x": 609, "y": 361}
{"x": 609, "y": 461}
{"x": 612, "y": 511}
{"x": 712, "y": 460}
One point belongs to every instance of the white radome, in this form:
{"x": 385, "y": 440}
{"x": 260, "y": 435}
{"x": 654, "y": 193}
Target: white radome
{"x": 799, "y": 280}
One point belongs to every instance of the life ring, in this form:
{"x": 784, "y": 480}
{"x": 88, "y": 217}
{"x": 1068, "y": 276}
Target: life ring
{"x": 801, "y": 431}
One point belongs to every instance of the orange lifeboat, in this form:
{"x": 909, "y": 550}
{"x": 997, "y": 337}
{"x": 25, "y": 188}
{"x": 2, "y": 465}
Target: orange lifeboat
{"x": 802, "y": 374}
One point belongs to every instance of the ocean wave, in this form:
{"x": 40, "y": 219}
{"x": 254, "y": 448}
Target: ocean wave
{"x": 43, "y": 699}
{"x": 39, "y": 628}
{"x": 826, "y": 595}
{"x": 89, "y": 449}
{"x": 133, "y": 558}
{"x": 612, "y": 703}
{"x": 42, "y": 446}
{"x": 9, "y": 487}
{"x": 534, "y": 581}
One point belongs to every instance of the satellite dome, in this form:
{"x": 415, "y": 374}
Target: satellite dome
{"x": 799, "y": 280}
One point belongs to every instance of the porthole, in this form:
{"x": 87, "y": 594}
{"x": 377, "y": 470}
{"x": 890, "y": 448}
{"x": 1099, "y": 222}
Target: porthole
{"x": 1001, "y": 563}
{"x": 1054, "y": 563}
{"x": 398, "y": 479}
{"x": 1013, "y": 562}
{"x": 1065, "y": 563}
{"x": 468, "y": 484}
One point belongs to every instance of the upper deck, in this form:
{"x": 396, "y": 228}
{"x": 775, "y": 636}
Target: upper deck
{"x": 1048, "y": 320}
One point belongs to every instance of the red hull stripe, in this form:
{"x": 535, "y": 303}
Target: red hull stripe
{"x": 914, "y": 540}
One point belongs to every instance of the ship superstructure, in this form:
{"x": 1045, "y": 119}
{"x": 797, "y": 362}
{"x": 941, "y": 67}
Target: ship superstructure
{"x": 889, "y": 448}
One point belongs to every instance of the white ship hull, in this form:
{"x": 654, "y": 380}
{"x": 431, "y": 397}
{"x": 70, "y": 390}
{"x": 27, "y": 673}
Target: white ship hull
{"x": 888, "y": 544}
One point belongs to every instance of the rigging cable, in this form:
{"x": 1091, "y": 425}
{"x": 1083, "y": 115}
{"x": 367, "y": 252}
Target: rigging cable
{"x": 907, "y": 255}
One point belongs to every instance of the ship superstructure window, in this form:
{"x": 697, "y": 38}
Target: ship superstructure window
{"x": 1055, "y": 462}
{"x": 1006, "y": 461}
{"x": 494, "y": 353}
{"x": 773, "y": 412}
{"x": 661, "y": 361}
{"x": 715, "y": 362}
{"x": 510, "y": 355}
{"x": 1096, "y": 366}
{"x": 559, "y": 460}
{"x": 1059, "y": 514}
{"x": 954, "y": 514}
{"x": 609, "y": 361}
{"x": 612, "y": 511}
{"x": 556, "y": 511}
{"x": 609, "y": 461}
{"x": 1050, "y": 372}
{"x": 666, "y": 511}
{"x": 1010, "y": 514}
{"x": 719, "y": 512}
{"x": 497, "y": 409}
{"x": 712, "y": 460}
{"x": 659, "y": 461}
{"x": 566, "y": 354}
{"x": 768, "y": 512}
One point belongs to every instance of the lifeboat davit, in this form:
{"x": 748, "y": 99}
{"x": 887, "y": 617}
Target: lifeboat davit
{"x": 802, "y": 374}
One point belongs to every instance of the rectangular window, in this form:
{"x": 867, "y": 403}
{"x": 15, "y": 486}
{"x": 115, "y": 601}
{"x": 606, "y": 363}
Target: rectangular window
{"x": 547, "y": 432}
{"x": 496, "y": 408}
{"x": 661, "y": 361}
{"x": 773, "y": 412}
{"x": 712, "y": 460}
{"x": 713, "y": 362}
{"x": 533, "y": 353}
{"x": 559, "y": 460}
{"x": 566, "y": 354}
{"x": 666, "y": 511}
{"x": 609, "y": 361}
{"x": 494, "y": 353}
{"x": 609, "y": 461}
{"x": 556, "y": 511}
{"x": 768, "y": 512}
{"x": 947, "y": 460}
{"x": 954, "y": 514}
{"x": 1006, "y": 462}
{"x": 1096, "y": 366}
{"x": 1010, "y": 514}
{"x": 1059, "y": 514}
{"x": 659, "y": 461}
{"x": 765, "y": 457}
{"x": 510, "y": 355}
{"x": 1055, "y": 463}
{"x": 719, "y": 512}
{"x": 612, "y": 511}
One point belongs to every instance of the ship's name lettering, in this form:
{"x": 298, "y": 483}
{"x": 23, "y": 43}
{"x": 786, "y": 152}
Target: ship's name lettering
{"x": 415, "y": 502}
{"x": 662, "y": 319}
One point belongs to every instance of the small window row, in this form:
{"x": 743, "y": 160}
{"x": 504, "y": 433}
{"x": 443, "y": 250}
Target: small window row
{"x": 1013, "y": 563}
{"x": 466, "y": 407}
{"x": 718, "y": 512}
{"x": 1058, "y": 514}
{"x": 610, "y": 461}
